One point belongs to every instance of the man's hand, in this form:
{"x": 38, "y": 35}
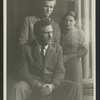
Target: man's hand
{"x": 47, "y": 89}
{"x": 39, "y": 85}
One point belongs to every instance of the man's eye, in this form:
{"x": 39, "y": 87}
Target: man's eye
{"x": 51, "y": 6}
{"x": 71, "y": 20}
{"x": 44, "y": 33}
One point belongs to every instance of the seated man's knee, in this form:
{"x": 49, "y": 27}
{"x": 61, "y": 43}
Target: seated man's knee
{"x": 22, "y": 86}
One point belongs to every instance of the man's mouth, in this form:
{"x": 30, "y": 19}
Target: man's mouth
{"x": 47, "y": 12}
{"x": 49, "y": 40}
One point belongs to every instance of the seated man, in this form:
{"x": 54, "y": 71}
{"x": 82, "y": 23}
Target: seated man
{"x": 41, "y": 69}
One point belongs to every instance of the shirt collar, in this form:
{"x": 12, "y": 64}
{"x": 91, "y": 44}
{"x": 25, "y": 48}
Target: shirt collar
{"x": 39, "y": 46}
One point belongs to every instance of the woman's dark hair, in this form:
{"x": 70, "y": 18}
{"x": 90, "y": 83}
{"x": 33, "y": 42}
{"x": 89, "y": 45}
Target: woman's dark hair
{"x": 71, "y": 13}
{"x": 42, "y": 23}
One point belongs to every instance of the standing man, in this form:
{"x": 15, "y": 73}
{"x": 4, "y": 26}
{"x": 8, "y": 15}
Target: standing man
{"x": 45, "y": 10}
{"x": 41, "y": 69}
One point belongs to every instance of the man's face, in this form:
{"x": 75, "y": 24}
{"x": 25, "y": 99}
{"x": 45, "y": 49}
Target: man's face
{"x": 45, "y": 35}
{"x": 47, "y": 7}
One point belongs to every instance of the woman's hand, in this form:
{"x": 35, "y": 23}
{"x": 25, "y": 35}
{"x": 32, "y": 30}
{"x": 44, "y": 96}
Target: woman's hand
{"x": 66, "y": 58}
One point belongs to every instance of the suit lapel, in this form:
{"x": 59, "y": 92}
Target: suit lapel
{"x": 48, "y": 54}
{"x": 37, "y": 55}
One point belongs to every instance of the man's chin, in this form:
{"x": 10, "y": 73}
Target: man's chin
{"x": 69, "y": 27}
{"x": 49, "y": 42}
{"x": 47, "y": 15}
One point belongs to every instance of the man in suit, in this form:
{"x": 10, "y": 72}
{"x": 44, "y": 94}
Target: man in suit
{"x": 41, "y": 70}
{"x": 45, "y": 10}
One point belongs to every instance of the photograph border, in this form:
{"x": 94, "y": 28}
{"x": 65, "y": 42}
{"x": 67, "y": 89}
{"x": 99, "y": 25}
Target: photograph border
{"x": 5, "y": 50}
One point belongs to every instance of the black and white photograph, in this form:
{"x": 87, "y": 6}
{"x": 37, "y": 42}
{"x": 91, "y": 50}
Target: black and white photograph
{"x": 50, "y": 50}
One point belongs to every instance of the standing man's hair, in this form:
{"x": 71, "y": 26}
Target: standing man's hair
{"x": 41, "y": 1}
{"x": 45, "y": 0}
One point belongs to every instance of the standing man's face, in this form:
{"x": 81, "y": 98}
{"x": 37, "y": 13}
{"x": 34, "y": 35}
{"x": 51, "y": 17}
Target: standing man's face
{"x": 45, "y": 35}
{"x": 47, "y": 7}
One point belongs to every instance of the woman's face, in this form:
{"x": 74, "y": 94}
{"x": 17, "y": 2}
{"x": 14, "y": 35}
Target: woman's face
{"x": 69, "y": 22}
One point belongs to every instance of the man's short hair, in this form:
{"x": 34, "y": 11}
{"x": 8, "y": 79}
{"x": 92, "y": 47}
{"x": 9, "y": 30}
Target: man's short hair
{"x": 40, "y": 1}
{"x": 46, "y": 0}
{"x": 42, "y": 23}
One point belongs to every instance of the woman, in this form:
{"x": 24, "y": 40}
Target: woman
{"x": 74, "y": 48}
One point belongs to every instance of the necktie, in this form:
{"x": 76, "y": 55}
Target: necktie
{"x": 42, "y": 52}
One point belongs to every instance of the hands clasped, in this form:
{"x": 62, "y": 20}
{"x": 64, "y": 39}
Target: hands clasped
{"x": 47, "y": 89}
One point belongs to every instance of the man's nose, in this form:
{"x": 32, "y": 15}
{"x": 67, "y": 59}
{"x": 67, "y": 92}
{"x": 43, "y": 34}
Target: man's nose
{"x": 48, "y": 8}
{"x": 68, "y": 22}
{"x": 49, "y": 35}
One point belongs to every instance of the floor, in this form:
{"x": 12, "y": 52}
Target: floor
{"x": 88, "y": 90}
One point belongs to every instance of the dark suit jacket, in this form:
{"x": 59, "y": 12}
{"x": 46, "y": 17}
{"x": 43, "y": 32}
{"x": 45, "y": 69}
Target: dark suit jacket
{"x": 33, "y": 70}
{"x": 27, "y": 32}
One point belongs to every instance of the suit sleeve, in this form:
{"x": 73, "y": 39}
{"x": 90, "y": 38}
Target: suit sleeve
{"x": 57, "y": 34}
{"x": 24, "y": 69}
{"x": 24, "y": 32}
{"x": 60, "y": 70}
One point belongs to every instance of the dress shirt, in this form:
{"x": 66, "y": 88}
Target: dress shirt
{"x": 45, "y": 48}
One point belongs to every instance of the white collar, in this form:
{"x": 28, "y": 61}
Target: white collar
{"x": 45, "y": 47}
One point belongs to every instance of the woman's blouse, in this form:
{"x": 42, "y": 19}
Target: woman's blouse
{"x": 73, "y": 41}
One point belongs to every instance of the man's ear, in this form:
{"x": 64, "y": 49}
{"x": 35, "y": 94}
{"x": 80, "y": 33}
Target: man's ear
{"x": 75, "y": 22}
